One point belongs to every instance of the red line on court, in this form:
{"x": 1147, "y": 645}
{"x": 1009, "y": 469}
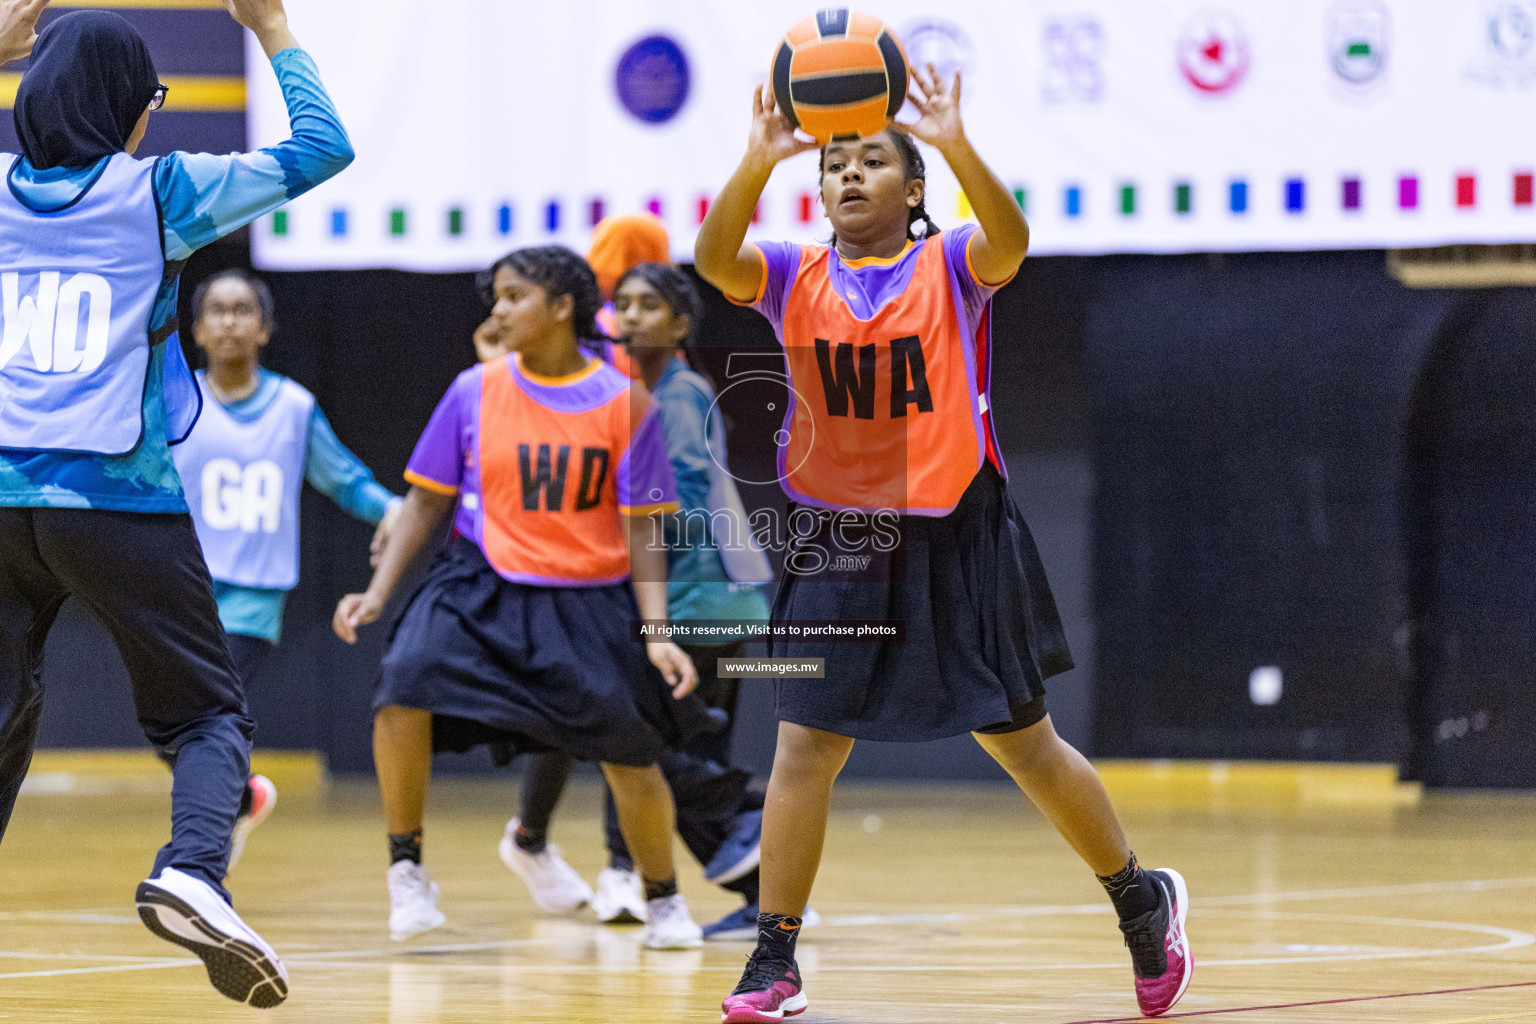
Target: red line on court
{"x": 1317, "y": 1002}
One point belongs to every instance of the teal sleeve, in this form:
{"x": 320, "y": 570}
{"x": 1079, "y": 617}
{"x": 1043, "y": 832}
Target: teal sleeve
{"x": 251, "y": 611}
{"x": 684, "y": 420}
{"x": 332, "y": 469}
{"x": 204, "y": 197}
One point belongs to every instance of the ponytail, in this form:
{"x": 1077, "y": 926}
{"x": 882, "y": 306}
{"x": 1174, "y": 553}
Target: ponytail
{"x": 916, "y": 170}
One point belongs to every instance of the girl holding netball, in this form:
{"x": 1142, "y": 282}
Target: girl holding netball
{"x": 886, "y": 334}
{"x": 553, "y": 465}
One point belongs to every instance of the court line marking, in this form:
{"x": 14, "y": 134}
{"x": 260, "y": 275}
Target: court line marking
{"x": 1327, "y": 1002}
{"x": 1512, "y": 939}
{"x": 13, "y": 955}
{"x": 70, "y": 916}
{"x": 1498, "y": 1016}
{"x": 156, "y": 966}
{"x": 109, "y": 916}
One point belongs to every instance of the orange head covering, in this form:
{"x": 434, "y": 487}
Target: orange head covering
{"x": 625, "y": 241}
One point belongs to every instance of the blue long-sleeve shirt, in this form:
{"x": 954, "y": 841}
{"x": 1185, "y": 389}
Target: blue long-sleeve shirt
{"x": 697, "y": 584}
{"x": 202, "y": 198}
{"x": 332, "y": 470}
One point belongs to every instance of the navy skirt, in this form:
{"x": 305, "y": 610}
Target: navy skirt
{"x": 982, "y": 630}
{"x": 525, "y": 668}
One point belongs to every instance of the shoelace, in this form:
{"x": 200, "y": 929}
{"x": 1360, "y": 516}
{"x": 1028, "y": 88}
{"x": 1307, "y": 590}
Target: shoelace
{"x": 1145, "y": 939}
{"x": 761, "y": 973}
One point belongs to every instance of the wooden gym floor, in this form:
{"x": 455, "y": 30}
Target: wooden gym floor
{"x": 942, "y": 904}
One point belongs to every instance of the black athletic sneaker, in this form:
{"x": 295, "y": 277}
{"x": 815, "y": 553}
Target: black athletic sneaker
{"x": 769, "y": 991}
{"x": 1159, "y": 948}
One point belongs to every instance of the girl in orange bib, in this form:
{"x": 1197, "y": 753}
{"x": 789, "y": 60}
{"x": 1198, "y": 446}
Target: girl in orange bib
{"x": 887, "y": 454}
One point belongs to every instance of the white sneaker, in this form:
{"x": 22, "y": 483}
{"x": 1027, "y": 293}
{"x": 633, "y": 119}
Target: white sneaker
{"x": 669, "y": 925}
{"x": 263, "y": 799}
{"x": 189, "y": 912}
{"x": 554, "y": 885}
{"x": 620, "y": 897}
{"x": 412, "y": 901}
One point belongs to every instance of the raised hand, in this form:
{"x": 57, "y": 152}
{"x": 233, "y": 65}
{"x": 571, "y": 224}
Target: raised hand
{"x": 488, "y": 344}
{"x": 256, "y": 14}
{"x": 772, "y": 137}
{"x": 18, "y": 27}
{"x": 268, "y": 19}
{"x": 938, "y": 108}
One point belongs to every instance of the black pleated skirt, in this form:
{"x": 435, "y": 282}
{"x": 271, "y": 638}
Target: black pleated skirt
{"x": 982, "y": 630}
{"x": 526, "y": 668}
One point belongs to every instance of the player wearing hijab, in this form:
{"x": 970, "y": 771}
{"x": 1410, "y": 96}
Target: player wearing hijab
{"x": 91, "y": 246}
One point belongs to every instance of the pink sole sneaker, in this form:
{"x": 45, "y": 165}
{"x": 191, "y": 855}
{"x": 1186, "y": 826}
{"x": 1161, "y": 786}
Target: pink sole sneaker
{"x": 1156, "y": 996}
{"x": 769, "y": 991}
{"x": 739, "y": 1009}
{"x": 263, "y": 799}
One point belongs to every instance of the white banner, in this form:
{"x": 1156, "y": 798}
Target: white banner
{"x": 1122, "y": 125}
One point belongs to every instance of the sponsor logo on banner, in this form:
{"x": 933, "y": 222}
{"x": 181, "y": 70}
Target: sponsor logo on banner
{"x": 1214, "y": 53}
{"x": 1074, "y": 54}
{"x": 652, "y": 79}
{"x": 1508, "y": 45}
{"x": 1358, "y": 39}
{"x": 943, "y": 44}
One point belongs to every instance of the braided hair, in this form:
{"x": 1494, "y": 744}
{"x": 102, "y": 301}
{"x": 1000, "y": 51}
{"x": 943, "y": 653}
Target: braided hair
{"x": 557, "y": 270}
{"x": 915, "y": 170}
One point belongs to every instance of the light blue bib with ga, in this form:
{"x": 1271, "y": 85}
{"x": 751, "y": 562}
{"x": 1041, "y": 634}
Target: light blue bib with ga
{"x": 243, "y": 482}
{"x": 77, "y": 287}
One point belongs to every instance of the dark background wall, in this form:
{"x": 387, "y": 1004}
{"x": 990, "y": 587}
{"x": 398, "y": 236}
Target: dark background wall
{"x": 1281, "y": 460}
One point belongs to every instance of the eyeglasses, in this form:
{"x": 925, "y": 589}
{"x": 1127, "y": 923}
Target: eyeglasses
{"x": 158, "y": 99}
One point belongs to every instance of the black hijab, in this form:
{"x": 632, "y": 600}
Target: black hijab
{"x": 90, "y": 79}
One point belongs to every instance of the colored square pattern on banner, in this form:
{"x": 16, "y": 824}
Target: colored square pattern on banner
{"x": 1179, "y": 133}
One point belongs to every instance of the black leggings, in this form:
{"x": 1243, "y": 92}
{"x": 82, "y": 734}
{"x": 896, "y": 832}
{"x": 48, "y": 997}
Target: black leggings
{"x": 143, "y": 576}
{"x": 708, "y": 795}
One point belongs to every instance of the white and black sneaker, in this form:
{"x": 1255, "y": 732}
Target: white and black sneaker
{"x": 412, "y": 901}
{"x": 669, "y": 925}
{"x": 189, "y": 912}
{"x": 553, "y": 885}
{"x": 620, "y": 897}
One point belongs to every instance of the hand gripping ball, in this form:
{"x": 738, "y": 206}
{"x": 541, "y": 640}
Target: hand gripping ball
{"x": 840, "y": 73}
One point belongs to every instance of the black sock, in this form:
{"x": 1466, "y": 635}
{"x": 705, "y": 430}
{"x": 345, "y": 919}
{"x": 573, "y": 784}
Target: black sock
{"x": 1131, "y": 891}
{"x": 405, "y": 846}
{"x": 660, "y": 890}
{"x": 747, "y": 885}
{"x": 619, "y": 862}
{"x": 529, "y": 841}
{"x": 776, "y": 935}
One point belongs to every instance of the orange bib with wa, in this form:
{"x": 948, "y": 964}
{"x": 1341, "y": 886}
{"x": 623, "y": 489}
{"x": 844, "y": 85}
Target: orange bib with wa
{"x": 885, "y": 412}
